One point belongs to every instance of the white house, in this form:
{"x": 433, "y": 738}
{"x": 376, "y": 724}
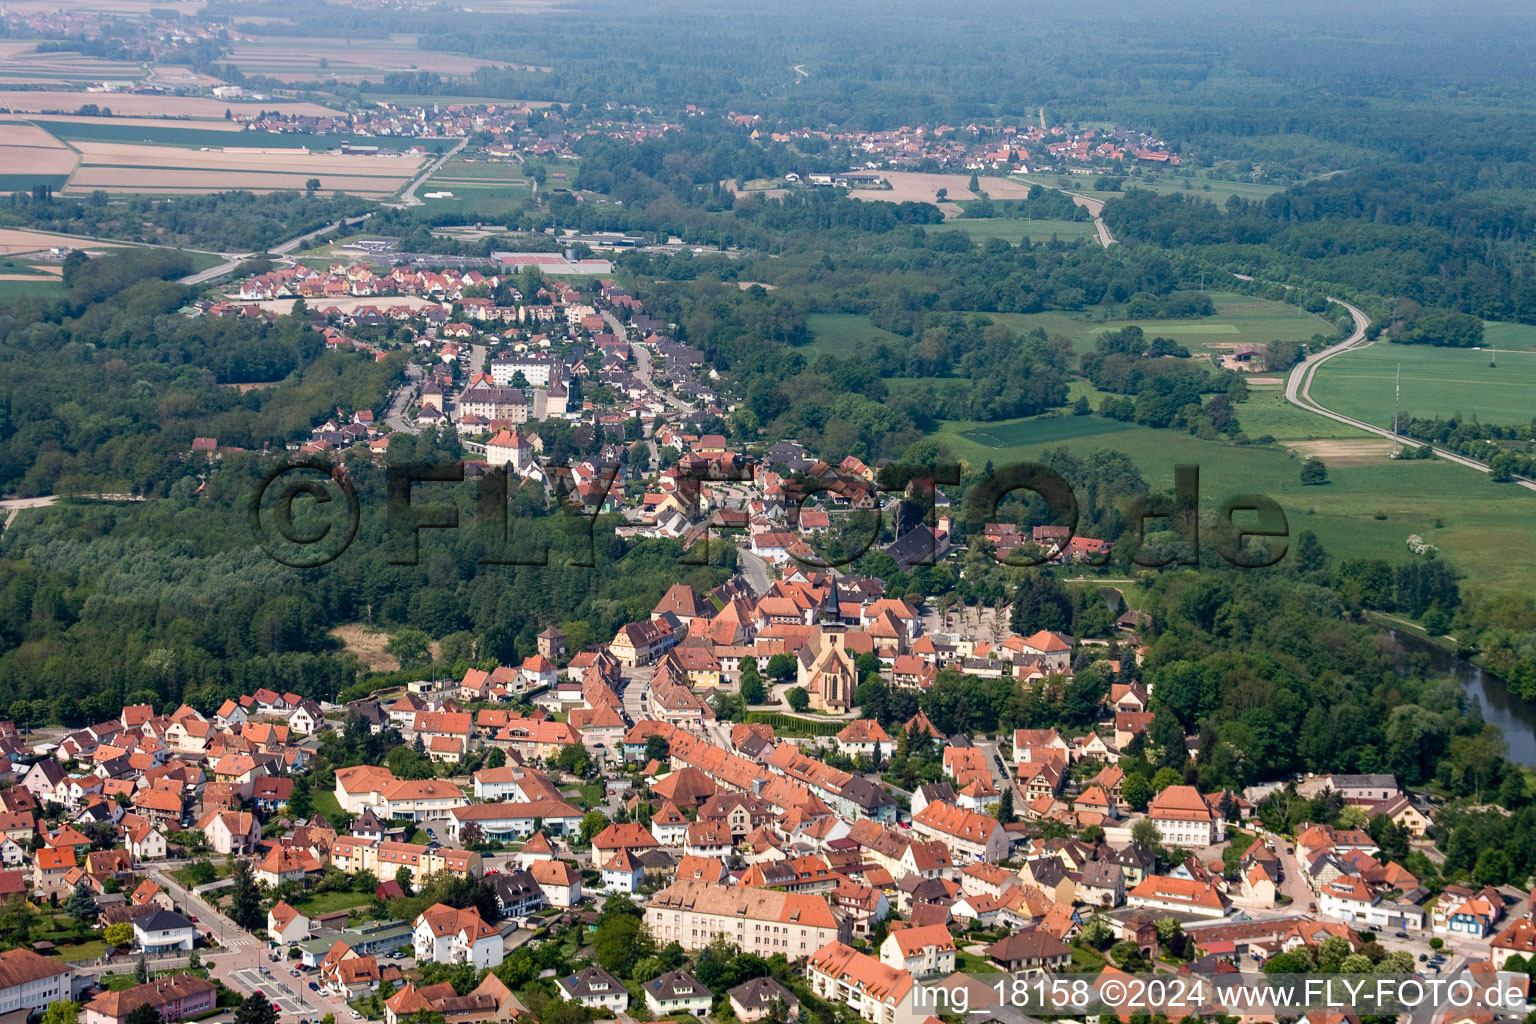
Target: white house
{"x": 623, "y": 873}
{"x": 920, "y": 951}
{"x": 447, "y": 935}
{"x": 164, "y": 931}
{"x": 596, "y": 989}
{"x": 286, "y": 925}
{"x": 677, "y": 992}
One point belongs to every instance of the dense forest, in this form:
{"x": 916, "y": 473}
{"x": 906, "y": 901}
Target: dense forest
{"x": 1392, "y": 232}
{"x": 223, "y": 222}
{"x": 104, "y": 389}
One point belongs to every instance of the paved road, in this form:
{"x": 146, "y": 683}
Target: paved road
{"x": 1299, "y": 384}
{"x": 233, "y": 260}
{"x": 394, "y": 416}
{"x": 645, "y": 367}
{"x": 755, "y": 570}
{"x": 408, "y": 197}
{"x": 1094, "y": 207}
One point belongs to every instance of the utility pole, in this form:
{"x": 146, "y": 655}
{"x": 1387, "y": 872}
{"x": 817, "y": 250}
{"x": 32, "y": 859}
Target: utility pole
{"x": 1397, "y": 400}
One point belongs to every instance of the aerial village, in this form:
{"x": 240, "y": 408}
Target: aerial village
{"x": 544, "y": 807}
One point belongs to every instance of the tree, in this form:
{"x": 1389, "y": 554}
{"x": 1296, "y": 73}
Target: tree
{"x": 621, "y": 941}
{"x": 1136, "y": 791}
{"x": 410, "y": 647}
{"x": 119, "y": 935}
{"x": 1146, "y": 833}
{"x": 781, "y": 667}
{"x": 255, "y": 1009}
{"x": 592, "y": 823}
{"x": 798, "y": 699}
{"x": 63, "y": 1012}
{"x": 403, "y": 880}
{"x": 141, "y": 970}
{"x": 657, "y": 748}
{"x": 299, "y": 803}
{"x": 312, "y": 186}
{"x": 752, "y": 689}
{"x": 1005, "y": 805}
{"x": 81, "y": 904}
{"x": 1313, "y": 472}
{"x": 245, "y": 898}
{"x": 145, "y": 1014}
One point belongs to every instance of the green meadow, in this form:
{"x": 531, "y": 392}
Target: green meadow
{"x": 1239, "y": 319}
{"x": 841, "y": 334}
{"x": 1369, "y": 507}
{"x": 1435, "y": 382}
{"x": 1014, "y": 231}
{"x": 176, "y": 135}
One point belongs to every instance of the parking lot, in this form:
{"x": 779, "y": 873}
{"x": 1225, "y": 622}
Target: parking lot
{"x": 280, "y": 992}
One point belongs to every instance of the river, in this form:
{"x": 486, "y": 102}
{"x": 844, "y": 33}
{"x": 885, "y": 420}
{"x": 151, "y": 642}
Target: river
{"x": 1515, "y": 717}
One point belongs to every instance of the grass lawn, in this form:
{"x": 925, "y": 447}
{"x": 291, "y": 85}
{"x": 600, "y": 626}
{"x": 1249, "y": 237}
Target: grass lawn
{"x": 1436, "y": 382}
{"x": 221, "y": 869}
{"x": 326, "y": 804}
{"x": 1484, "y": 529}
{"x": 841, "y": 334}
{"x": 983, "y": 228}
{"x": 494, "y": 170}
{"x": 330, "y": 902}
{"x": 969, "y": 963}
{"x": 89, "y": 950}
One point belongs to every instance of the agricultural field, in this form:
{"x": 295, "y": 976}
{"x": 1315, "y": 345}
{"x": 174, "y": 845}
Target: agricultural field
{"x": 19, "y": 241}
{"x": 1368, "y": 509}
{"x": 1013, "y": 231}
{"x": 1436, "y": 382}
{"x": 150, "y": 105}
{"x": 348, "y": 60}
{"x": 20, "y": 65}
{"x": 213, "y": 134}
{"x": 29, "y": 156}
{"x": 117, "y": 167}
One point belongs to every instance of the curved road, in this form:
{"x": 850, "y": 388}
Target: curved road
{"x": 232, "y": 261}
{"x": 1298, "y": 387}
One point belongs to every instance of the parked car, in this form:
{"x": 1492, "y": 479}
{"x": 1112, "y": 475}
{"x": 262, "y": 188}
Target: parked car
{"x": 313, "y": 987}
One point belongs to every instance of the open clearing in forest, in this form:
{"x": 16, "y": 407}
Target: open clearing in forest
{"x": 917, "y": 187}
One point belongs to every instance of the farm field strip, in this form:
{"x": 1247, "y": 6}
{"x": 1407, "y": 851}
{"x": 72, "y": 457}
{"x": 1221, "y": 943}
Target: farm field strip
{"x": 243, "y": 159}
{"x": 146, "y": 105}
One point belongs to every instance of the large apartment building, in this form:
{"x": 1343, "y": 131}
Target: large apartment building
{"x": 385, "y": 859}
{"x": 762, "y": 921}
